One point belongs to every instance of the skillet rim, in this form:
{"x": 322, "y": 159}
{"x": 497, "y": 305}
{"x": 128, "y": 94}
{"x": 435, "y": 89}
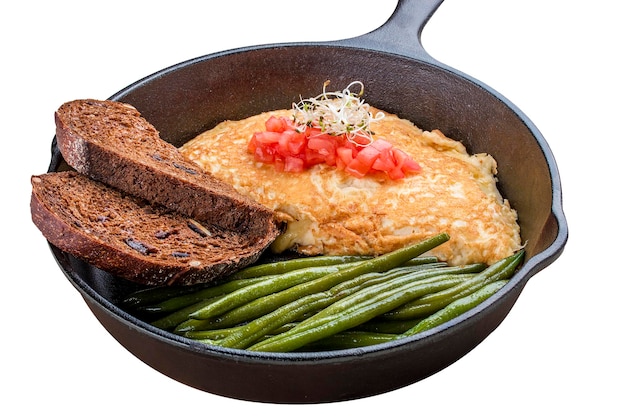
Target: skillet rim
{"x": 529, "y": 268}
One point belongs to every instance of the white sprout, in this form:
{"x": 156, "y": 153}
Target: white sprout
{"x": 337, "y": 113}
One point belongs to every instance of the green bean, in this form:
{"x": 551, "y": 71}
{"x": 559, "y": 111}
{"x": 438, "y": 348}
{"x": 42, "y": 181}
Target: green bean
{"x": 379, "y": 296}
{"x": 300, "y": 305}
{"x": 421, "y": 260}
{"x": 378, "y": 264}
{"x": 267, "y": 286}
{"x": 175, "y": 304}
{"x": 194, "y": 325}
{"x": 283, "y": 328}
{"x": 268, "y": 303}
{"x": 183, "y": 297}
{"x": 179, "y": 320}
{"x": 256, "y": 329}
{"x": 156, "y": 295}
{"x": 212, "y": 337}
{"x": 174, "y": 319}
{"x": 153, "y": 295}
{"x": 239, "y": 315}
{"x": 349, "y": 340}
{"x": 327, "y": 302}
{"x": 280, "y": 267}
{"x": 456, "y": 308}
{"x": 187, "y": 299}
{"x": 363, "y": 297}
{"x": 351, "y": 311}
{"x": 209, "y": 336}
{"x": 503, "y": 269}
{"x": 379, "y": 325}
{"x": 359, "y": 338}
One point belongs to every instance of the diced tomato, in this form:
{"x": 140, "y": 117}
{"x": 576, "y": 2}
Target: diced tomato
{"x": 368, "y": 156}
{"x": 382, "y": 145}
{"x": 399, "y": 157}
{"x": 362, "y": 163}
{"x": 293, "y": 164}
{"x": 331, "y": 159}
{"x": 279, "y": 164}
{"x": 263, "y": 154}
{"x": 404, "y": 161}
{"x": 323, "y": 144}
{"x": 312, "y": 132}
{"x": 357, "y": 168}
{"x": 267, "y": 137}
{"x": 410, "y": 166}
{"x": 312, "y": 157}
{"x": 361, "y": 140}
{"x": 284, "y": 142}
{"x": 344, "y": 154}
{"x": 291, "y": 143}
{"x": 396, "y": 173}
{"x": 252, "y": 145}
{"x": 276, "y": 124}
{"x": 292, "y": 151}
{"x": 384, "y": 163}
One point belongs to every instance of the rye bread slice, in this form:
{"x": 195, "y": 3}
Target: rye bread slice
{"x": 131, "y": 238}
{"x": 111, "y": 142}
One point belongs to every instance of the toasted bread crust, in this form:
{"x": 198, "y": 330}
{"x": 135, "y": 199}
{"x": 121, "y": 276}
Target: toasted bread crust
{"x": 137, "y": 208}
{"x": 133, "y": 239}
{"x": 111, "y": 142}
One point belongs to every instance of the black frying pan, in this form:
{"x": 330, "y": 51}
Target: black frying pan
{"x": 400, "y": 77}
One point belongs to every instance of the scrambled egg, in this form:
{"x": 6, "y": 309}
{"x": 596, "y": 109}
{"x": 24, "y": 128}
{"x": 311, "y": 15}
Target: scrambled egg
{"x": 331, "y": 212}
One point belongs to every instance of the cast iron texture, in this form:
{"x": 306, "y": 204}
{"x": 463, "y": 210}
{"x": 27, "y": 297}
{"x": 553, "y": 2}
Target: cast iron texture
{"x": 400, "y": 77}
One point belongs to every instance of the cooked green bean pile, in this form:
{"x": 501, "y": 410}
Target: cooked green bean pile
{"x": 326, "y": 302}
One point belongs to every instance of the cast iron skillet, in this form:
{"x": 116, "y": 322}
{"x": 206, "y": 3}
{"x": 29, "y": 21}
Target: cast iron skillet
{"x": 400, "y": 77}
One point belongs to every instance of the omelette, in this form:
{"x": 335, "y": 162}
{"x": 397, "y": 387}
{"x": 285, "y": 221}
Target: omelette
{"x": 328, "y": 211}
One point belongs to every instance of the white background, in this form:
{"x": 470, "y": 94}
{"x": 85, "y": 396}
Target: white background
{"x": 559, "y": 352}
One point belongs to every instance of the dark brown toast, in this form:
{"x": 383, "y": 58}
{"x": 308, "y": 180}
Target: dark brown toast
{"x": 131, "y": 238}
{"x": 111, "y": 142}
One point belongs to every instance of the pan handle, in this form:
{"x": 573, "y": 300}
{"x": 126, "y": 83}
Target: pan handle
{"x": 401, "y": 33}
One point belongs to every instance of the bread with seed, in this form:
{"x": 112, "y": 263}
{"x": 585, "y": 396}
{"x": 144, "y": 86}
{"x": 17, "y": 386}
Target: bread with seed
{"x": 111, "y": 142}
{"x": 134, "y": 239}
